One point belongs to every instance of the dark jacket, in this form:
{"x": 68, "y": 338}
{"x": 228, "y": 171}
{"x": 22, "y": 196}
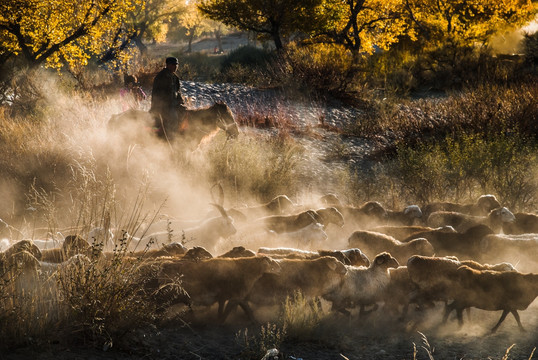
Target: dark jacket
{"x": 165, "y": 96}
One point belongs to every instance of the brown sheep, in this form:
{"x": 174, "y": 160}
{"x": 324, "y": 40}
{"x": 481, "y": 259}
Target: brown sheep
{"x": 493, "y": 291}
{"x": 371, "y": 212}
{"x": 467, "y": 245}
{"x": 462, "y": 222}
{"x": 72, "y": 245}
{"x": 22, "y": 245}
{"x": 238, "y": 252}
{"x": 435, "y": 276}
{"x": 407, "y": 216}
{"x": 312, "y": 278}
{"x": 401, "y": 232}
{"x": 172, "y": 249}
{"x": 524, "y": 223}
{"x": 218, "y": 280}
{"x": 353, "y": 257}
{"x": 484, "y": 204}
{"x": 372, "y": 243}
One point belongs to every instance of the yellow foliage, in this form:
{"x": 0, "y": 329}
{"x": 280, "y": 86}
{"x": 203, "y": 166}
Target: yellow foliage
{"x": 52, "y": 31}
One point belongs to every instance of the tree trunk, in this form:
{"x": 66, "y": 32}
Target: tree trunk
{"x": 219, "y": 41}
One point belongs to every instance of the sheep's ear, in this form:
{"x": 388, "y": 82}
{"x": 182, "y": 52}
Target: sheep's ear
{"x": 380, "y": 260}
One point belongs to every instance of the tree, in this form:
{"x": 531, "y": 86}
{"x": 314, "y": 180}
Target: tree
{"x": 54, "y": 32}
{"x": 193, "y": 22}
{"x": 273, "y": 18}
{"x": 363, "y": 25}
{"x": 466, "y": 21}
{"x": 147, "y": 20}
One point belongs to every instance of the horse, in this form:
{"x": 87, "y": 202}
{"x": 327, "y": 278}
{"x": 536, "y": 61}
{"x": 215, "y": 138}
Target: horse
{"x": 194, "y": 124}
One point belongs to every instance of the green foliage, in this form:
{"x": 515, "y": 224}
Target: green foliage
{"x": 502, "y": 164}
{"x": 249, "y": 56}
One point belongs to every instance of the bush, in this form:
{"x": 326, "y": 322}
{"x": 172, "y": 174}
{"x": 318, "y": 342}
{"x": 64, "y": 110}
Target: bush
{"x": 254, "y": 166}
{"x": 466, "y": 167}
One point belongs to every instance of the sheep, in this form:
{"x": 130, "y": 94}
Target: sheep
{"x": 483, "y": 206}
{"x": 372, "y": 243}
{"x": 197, "y": 253}
{"x": 364, "y": 216}
{"x": 397, "y": 292}
{"x": 312, "y": 277}
{"x": 283, "y": 251}
{"x": 172, "y": 249}
{"x": 330, "y": 200}
{"x": 72, "y": 245}
{"x": 522, "y": 248}
{"x": 346, "y": 257}
{"x": 353, "y": 257}
{"x": 461, "y": 222}
{"x": 289, "y": 223}
{"x": 279, "y": 205}
{"x": 219, "y": 280}
{"x": 493, "y": 291}
{"x": 407, "y": 216}
{"x": 238, "y": 252}
{"x": 308, "y": 236}
{"x": 18, "y": 276}
{"x": 406, "y": 231}
{"x": 524, "y": 223}
{"x": 362, "y": 286}
{"x": 207, "y": 233}
{"x": 435, "y": 276}
{"x": 468, "y": 244}
{"x": 22, "y": 245}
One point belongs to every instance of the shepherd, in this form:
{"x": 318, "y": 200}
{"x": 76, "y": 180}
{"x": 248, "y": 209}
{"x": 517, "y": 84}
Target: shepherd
{"x": 166, "y": 101}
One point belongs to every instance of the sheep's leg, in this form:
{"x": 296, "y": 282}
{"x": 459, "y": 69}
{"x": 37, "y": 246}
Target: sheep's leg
{"x": 448, "y": 309}
{"x": 516, "y": 316}
{"x": 248, "y": 311}
{"x": 230, "y": 306}
{"x": 364, "y": 312}
{"x": 221, "y": 310}
{"x": 405, "y": 310}
{"x": 503, "y": 316}
{"x": 459, "y": 314}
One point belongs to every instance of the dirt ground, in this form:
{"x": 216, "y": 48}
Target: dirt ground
{"x": 422, "y": 336}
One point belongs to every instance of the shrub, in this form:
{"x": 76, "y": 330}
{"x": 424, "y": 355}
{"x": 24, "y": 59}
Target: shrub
{"x": 254, "y": 165}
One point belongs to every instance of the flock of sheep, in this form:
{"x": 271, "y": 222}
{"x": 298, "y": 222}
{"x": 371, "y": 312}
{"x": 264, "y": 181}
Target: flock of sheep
{"x": 438, "y": 253}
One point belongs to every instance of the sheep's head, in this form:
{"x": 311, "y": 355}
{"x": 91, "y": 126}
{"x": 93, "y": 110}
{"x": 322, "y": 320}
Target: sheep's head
{"x": 375, "y": 209}
{"x": 238, "y": 252}
{"x": 486, "y": 203}
{"x": 330, "y": 200}
{"x": 502, "y": 215}
{"x": 332, "y": 215}
{"x": 357, "y": 257}
{"x": 385, "y": 261}
{"x": 413, "y": 211}
{"x": 421, "y": 246}
{"x": 270, "y": 265}
{"x": 280, "y": 204}
{"x": 197, "y": 253}
{"x": 334, "y": 265}
{"x": 23, "y": 245}
{"x": 174, "y": 248}
{"x": 223, "y": 225}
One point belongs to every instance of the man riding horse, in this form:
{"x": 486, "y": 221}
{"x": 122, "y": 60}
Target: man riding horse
{"x": 166, "y": 101}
